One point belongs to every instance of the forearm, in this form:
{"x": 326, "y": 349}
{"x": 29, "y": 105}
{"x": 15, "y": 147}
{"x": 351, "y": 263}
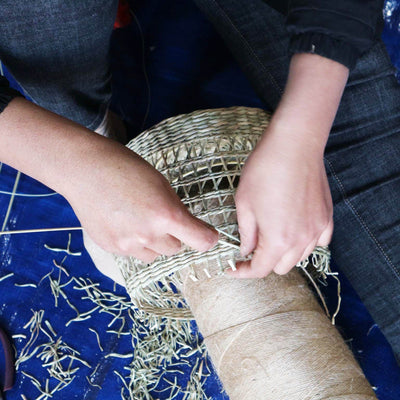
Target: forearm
{"x": 311, "y": 99}
{"x": 283, "y": 201}
{"x": 46, "y": 146}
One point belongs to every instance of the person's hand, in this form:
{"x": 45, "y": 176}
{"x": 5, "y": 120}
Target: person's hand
{"x": 122, "y": 202}
{"x": 284, "y": 206}
{"x": 283, "y": 202}
{"x": 128, "y": 208}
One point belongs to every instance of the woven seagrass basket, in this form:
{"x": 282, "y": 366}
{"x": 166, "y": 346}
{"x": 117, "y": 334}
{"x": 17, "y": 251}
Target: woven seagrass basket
{"x": 201, "y": 154}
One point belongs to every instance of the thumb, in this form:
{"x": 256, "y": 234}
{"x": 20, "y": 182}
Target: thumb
{"x": 195, "y": 233}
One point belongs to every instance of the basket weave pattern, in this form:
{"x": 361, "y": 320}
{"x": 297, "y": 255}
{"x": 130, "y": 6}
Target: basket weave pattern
{"x": 201, "y": 154}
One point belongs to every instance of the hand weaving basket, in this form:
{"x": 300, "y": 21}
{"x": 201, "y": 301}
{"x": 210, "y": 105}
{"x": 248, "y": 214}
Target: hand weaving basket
{"x": 268, "y": 338}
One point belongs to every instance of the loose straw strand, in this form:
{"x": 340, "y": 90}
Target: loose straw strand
{"x": 21, "y": 231}
{"x": 10, "y": 203}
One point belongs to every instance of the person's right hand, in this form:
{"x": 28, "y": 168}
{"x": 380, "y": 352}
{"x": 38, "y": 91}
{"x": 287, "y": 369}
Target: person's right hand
{"x": 128, "y": 208}
{"x": 123, "y": 203}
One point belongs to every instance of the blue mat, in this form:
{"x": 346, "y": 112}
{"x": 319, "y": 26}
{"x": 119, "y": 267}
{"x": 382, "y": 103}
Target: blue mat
{"x": 184, "y": 72}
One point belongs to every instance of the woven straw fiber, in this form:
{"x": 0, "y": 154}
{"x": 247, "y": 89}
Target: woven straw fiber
{"x": 201, "y": 154}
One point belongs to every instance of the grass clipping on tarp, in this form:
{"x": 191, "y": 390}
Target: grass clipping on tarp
{"x": 160, "y": 350}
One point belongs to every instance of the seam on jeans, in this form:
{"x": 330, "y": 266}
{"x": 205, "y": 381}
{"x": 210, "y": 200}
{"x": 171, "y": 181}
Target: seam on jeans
{"x": 387, "y": 72}
{"x": 92, "y": 126}
{"x": 101, "y": 114}
{"x": 247, "y": 44}
{"x": 361, "y": 127}
{"x": 362, "y": 222}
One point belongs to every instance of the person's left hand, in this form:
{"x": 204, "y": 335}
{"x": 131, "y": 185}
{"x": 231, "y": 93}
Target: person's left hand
{"x": 283, "y": 202}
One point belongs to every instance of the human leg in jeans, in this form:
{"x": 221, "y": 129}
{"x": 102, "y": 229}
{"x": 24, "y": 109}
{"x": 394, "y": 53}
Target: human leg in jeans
{"x": 362, "y": 156}
{"x": 58, "y": 52}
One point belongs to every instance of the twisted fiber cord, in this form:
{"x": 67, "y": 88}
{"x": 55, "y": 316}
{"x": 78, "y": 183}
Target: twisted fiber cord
{"x": 269, "y": 339}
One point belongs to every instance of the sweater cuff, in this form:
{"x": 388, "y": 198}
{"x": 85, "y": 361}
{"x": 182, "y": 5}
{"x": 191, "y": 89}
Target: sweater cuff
{"x": 325, "y": 46}
{"x": 6, "y": 93}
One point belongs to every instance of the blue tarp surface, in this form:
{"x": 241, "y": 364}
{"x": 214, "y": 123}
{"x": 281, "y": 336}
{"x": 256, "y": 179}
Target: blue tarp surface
{"x": 188, "y": 68}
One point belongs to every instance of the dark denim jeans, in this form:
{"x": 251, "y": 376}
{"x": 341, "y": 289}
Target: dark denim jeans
{"x": 63, "y": 67}
{"x": 58, "y": 52}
